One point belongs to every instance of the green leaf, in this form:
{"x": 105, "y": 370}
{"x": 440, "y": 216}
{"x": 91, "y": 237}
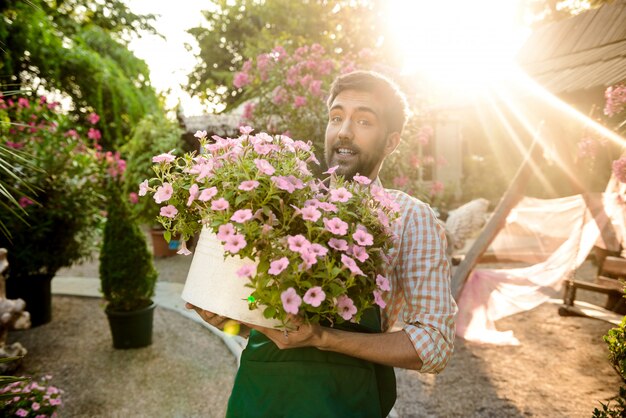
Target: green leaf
{"x": 269, "y": 312}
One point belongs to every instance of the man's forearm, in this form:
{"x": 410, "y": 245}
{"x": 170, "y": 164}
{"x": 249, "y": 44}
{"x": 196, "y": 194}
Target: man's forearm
{"x": 392, "y": 349}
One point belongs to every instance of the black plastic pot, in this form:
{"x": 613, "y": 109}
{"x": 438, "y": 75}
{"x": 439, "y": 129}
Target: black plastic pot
{"x": 36, "y": 291}
{"x": 131, "y": 329}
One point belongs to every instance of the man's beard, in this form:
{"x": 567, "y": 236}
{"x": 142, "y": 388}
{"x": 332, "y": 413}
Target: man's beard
{"x": 364, "y": 164}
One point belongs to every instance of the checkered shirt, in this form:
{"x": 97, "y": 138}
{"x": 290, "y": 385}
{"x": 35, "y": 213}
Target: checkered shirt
{"x": 420, "y": 300}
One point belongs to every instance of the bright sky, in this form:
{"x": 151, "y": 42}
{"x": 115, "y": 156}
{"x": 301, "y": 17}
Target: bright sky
{"x": 168, "y": 59}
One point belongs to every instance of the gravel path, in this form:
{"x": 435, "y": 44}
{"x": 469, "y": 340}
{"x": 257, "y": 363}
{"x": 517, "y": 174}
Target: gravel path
{"x": 559, "y": 370}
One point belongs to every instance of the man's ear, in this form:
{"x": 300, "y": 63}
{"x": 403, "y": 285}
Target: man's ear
{"x": 393, "y": 140}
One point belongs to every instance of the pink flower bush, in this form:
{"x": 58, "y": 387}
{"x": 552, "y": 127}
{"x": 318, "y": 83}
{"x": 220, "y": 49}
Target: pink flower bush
{"x": 317, "y": 249}
{"x": 30, "y": 399}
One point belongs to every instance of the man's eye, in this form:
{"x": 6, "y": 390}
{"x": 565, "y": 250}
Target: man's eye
{"x": 364, "y": 122}
{"x": 335, "y": 119}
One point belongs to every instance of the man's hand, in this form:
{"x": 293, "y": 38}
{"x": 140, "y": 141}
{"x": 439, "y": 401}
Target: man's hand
{"x": 297, "y": 334}
{"x": 218, "y": 321}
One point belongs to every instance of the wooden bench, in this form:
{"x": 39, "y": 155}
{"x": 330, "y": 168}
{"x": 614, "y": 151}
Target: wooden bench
{"x": 608, "y": 281}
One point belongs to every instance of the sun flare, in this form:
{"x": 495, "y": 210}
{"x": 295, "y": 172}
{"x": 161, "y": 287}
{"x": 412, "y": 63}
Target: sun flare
{"x": 457, "y": 43}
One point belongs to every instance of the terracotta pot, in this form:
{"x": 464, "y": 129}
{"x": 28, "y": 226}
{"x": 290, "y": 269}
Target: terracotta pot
{"x": 160, "y": 247}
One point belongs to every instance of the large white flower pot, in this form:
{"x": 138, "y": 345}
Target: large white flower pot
{"x": 212, "y": 283}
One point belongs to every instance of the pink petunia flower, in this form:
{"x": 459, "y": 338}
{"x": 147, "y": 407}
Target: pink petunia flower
{"x": 328, "y": 207}
{"x": 264, "y": 166}
{"x": 338, "y": 244}
{"x": 234, "y": 243}
{"x": 318, "y": 250}
{"x": 277, "y": 266}
{"x": 314, "y": 296}
{"x": 310, "y": 214}
{"x": 143, "y": 188}
{"x": 331, "y": 170}
{"x": 362, "y": 180}
{"x": 220, "y": 204}
{"x": 194, "y": 191}
{"x": 246, "y": 130}
{"x": 21, "y": 412}
{"x": 94, "y": 134}
{"x": 183, "y": 249}
{"x": 248, "y": 185}
{"x": 283, "y": 183}
{"x": 383, "y": 283}
{"x": 345, "y": 307}
{"x": 163, "y": 158}
{"x": 362, "y": 237}
{"x": 163, "y": 193}
{"x": 298, "y": 243}
{"x": 241, "y": 216}
{"x": 207, "y": 194}
{"x": 378, "y": 299}
{"x": 200, "y": 134}
{"x": 35, "y": 405}
{"x": 336, "y": 226}
{"x": 308, "y": 257}
{"x": 299, "y": 101}
{"x": 291, "y": 301}
{"x": 169, "y": 211}
{"x": 247, "y": 270}
{"x": 359, "y": 253}
{"x": 351, "y": 265}
{"x": 340, "y": 195}
{"x": 225, "y": 231}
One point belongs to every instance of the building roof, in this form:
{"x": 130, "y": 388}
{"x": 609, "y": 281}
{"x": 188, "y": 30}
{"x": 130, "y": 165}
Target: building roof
{"x": 579, "y": 53}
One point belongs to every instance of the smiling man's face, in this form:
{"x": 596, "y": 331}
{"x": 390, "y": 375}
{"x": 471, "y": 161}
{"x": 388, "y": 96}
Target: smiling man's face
{"x": 356, "y": 134}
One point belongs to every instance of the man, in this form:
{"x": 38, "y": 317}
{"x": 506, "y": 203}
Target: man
{"x": 321, "y": 371}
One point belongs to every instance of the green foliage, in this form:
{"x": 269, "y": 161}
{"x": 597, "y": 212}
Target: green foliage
{"x": 613, "y": 411}
{"x": 79, "y": 49}
{"x": 56, "y": 181}
{"x": 154, "y": 135}
{"x": 616, "y": 341}
{"x": 127, "y": 274}
{"x": 241, "y": 29}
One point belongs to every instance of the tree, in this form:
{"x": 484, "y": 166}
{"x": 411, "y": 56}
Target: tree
{"x": 78, "y": 49}
{"x": 241, "y": 29}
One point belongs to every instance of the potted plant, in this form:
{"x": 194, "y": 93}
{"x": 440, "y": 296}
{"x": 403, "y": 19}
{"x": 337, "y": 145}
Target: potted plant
{"x": 127, "y": 275}
{"x": 153, "y": 135}
{"x": 58, "y": 188}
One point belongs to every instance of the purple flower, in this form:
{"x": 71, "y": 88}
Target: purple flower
{"x": 291, "y": 301}
{"x": 277, "y": 266}
{"x": 345, "y": 307}
{"x": 314, "y": 296}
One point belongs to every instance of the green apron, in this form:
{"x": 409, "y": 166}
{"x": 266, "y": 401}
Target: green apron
{"x": 307, "y": 382}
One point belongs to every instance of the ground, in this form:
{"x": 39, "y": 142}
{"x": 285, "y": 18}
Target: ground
{"x": 559, "y": 370}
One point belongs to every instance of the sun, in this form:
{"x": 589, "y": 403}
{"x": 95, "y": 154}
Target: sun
{"x": 463, "y": 44}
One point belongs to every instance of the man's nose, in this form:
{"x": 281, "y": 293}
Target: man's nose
{"x": 345, "y": 132}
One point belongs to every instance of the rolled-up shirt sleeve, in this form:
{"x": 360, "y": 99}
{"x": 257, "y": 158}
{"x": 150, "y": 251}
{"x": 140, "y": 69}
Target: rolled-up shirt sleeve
{"x": 423, "y": 275}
